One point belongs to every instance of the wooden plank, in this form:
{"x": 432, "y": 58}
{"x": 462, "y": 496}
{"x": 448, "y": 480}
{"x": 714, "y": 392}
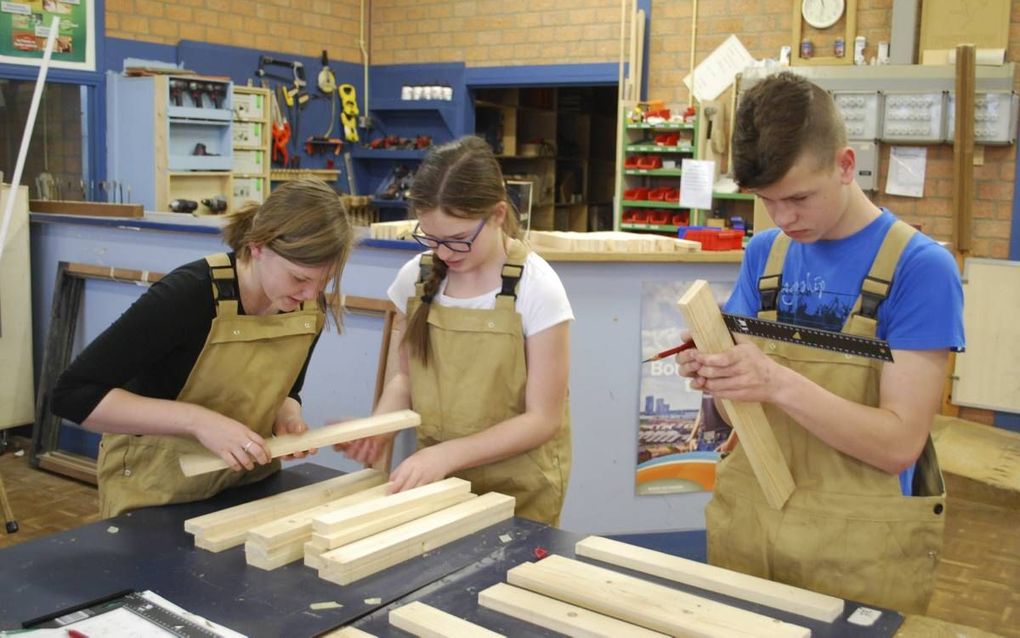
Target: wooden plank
{"x": 557, "y": 615}
{"x": 425, "y": 621}
{"x": 226, "y": 528}
{"x": 702, "y": 315}
{"x": 321, "y": 543}
{"x": 93, "y": 271}
{"x": 417, "y": 500}
{"x": 963, "y": 146}
{"x": 352, "y": 562}
{"x": 987, "y": 375}
{"x": 716, "y": 579}
{"x": 947, "y": 23}
{"x": 298, "y": 526}
{"x": 75, "y": 466}
{"x": 195, "y": 464}
{"x": 348, "y": 632}
{"x": 282, "y": 541}
{"x": 91, "y": 209}
{"x": 643, "y": 603}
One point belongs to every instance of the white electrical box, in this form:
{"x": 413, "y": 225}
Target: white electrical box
{"x": 866, "y": 154}
{"x": 995, "y": 117}
{"x": 862, "y": 113}
{"x": 914, "y": 117}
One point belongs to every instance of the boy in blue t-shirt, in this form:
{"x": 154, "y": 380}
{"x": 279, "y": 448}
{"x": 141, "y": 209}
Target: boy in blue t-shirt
{"x": 860, "y": 524}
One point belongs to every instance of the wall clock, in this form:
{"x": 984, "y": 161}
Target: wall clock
{"x": 822, "y": 22}
{"x": 822, "y": 14}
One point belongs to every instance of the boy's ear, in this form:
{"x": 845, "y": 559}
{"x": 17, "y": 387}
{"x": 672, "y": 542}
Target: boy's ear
{"x": 846, "y": 161}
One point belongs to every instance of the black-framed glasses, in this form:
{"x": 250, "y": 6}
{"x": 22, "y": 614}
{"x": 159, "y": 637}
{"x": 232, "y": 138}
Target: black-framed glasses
{"x": 456, "y": 245}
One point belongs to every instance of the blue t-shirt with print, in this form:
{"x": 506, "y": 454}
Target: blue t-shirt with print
{"x": 821, "y": 282}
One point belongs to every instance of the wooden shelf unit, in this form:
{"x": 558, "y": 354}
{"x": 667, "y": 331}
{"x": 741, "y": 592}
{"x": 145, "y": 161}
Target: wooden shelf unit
{"x": 561, "y": 140}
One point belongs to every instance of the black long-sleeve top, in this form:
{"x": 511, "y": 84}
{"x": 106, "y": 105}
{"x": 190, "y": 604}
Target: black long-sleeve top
{"x": 151, "y": 349}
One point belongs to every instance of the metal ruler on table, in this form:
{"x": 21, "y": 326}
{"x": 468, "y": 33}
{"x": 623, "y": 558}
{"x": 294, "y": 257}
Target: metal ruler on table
{"x": 165, "y": 618}
{"x": 812, "y": 337}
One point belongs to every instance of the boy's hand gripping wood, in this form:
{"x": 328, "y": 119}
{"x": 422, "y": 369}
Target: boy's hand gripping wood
{"x": 711, "y": 336}
{"x": 195, "y": 464}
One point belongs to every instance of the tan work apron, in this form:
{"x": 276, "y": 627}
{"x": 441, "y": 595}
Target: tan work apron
{"x": 476, "y": 379}
{"x": 847, "y": 530}
{"x": 245, "y": 371}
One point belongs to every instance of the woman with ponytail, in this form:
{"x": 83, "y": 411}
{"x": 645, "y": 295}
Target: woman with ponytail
{"x": 213, "y": 355}
{"x": 484, "y": 356}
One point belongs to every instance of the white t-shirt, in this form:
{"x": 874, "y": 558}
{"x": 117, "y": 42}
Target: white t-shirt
{"x": 541, "y": 300}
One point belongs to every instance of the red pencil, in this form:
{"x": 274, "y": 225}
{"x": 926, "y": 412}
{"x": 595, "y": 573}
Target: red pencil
{"x": 686, "y": 345}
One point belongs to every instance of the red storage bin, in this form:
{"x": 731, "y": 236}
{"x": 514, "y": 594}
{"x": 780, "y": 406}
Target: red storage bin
{"x": 712, "y": 239}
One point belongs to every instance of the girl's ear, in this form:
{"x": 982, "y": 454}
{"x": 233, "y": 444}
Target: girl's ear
{"x": 255, "y": 250}
{"x": 499, "y": 213}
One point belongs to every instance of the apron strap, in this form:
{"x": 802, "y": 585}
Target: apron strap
{"x": 225, "y": 290}
{"x": 863, "y": 319}
{"x": 772, "y": 278}
{"x": 511, "y": 274}
{"x": 424, "y": 272}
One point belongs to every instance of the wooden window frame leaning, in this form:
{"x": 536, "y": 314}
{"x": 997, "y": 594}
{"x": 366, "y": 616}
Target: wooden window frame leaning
{"x": 67, "y": 295}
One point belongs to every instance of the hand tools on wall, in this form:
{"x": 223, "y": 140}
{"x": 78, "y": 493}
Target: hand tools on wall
{"x": 349, "y": 111}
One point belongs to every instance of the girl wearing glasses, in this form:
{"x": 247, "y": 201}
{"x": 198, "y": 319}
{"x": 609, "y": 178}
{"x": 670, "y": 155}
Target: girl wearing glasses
{"x": 484, "y": 356}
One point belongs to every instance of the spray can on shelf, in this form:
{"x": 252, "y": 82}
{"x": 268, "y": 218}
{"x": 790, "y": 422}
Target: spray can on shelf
{"x": 807, "y": 49}
{"x": 839, "y": 47}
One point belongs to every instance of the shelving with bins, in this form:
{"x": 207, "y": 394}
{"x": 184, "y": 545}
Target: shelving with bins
{"x": 170, "y": 137}
{"x": 252, "y": 144}
{"x": 652, "y": 159}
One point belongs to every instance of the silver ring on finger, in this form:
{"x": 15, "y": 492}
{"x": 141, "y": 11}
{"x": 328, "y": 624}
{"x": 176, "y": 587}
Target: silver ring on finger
{"x": 247, "y": 445}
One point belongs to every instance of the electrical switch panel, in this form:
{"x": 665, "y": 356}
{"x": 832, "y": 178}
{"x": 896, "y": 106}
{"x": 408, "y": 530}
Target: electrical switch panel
{"x": 995, "y": 117}
{"x": 866, "y": 154}
{"x": 913, "y": 117}
{"x": 862, "y": 113}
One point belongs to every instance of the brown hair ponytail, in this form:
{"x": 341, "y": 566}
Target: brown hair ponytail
{"x": 462, "y": 179}
{"x": 306, "y": 223}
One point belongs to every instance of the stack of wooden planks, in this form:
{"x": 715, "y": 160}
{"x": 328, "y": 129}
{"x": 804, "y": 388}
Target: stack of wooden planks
{"x": 578, "y": 598}
{"x": 350, "y": 527}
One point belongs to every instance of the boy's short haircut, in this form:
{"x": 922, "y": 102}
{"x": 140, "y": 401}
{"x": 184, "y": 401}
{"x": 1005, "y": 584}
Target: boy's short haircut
{"x": 779, "y": 119}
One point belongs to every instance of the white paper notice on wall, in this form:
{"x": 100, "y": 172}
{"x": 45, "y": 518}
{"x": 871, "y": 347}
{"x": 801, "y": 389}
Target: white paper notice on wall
{"x": 716, "y": 72}
{"x": 906, "y": 171}
{"x": 696, "y": 183}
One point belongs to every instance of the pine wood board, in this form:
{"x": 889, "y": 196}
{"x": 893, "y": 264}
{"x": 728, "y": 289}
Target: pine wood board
{"x": 282, "y": 541}
{"x": 643, "y": 603}
{"x": 426, "y": 621}
{"x": 298, "y": 526}
{"x": 359, "y": 559}
{"x": 319, "y": 544}
{"x": 393, "y": 505}
{"x": 195, "y": 464}
{"x": 227, "y": 528}
{"x": 795, "y": 600}
{"x": 704, "y": 318}
{"x": 557, "y": 615}
{"x": 611, "y": 241}
{"x": 987, "y": 375}
{"x": 348, "y": 632}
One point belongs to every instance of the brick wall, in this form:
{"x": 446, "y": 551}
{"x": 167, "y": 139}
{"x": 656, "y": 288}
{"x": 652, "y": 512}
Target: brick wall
{"x": 764, "y": 26}
{"x": 300, "y": 27}
{"x": 495, "y": 32}
{"x": 532, "y": 32}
